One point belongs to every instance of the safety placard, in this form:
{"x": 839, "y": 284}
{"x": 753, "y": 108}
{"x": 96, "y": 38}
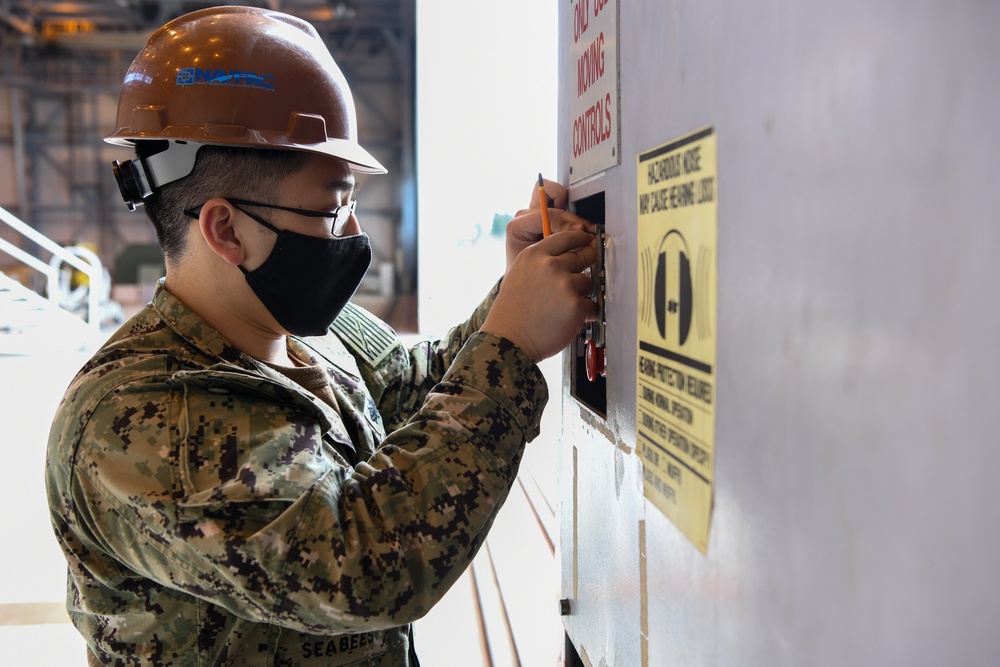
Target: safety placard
{"x": 593, "y": 91}
{"x": 676, "y": 371}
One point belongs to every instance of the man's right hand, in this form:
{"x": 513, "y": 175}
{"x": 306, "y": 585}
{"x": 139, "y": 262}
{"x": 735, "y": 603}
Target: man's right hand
{"x": 544, "y": 298}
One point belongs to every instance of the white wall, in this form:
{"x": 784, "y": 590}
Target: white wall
{"x": 486, "y": 125}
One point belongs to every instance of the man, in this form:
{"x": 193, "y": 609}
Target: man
{"x": 253, "y": 471}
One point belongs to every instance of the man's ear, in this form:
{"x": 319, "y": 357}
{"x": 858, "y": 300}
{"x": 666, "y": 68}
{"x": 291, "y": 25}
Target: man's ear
{"x": 216, "y": 222}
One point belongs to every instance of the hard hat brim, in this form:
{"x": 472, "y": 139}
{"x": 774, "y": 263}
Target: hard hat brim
{"x": 360, "y": 160}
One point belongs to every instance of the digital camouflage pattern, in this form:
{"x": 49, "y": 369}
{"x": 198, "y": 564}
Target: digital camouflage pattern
{"x": 213, "y": 512}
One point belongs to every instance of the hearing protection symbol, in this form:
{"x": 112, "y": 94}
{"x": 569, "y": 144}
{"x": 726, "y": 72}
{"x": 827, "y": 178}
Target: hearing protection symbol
{"x": 672, "y": 293}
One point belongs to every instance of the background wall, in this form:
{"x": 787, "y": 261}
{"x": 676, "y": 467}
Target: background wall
{"x": 486, "y": 126}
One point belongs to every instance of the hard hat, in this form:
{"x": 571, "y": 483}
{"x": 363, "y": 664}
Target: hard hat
{"x": 233, "y": 76}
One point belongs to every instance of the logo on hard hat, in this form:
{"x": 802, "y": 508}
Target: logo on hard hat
{"x": 192, "y": 76}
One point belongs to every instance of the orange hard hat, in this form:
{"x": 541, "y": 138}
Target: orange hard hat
{"x": 240, "y": 76}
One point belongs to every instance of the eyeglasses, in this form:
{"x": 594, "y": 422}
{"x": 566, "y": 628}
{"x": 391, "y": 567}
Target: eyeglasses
{"x": 340, "y": 215}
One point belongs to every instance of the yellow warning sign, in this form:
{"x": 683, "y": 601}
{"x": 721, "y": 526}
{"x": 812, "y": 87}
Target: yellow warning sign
{"x": 676, "y": 373}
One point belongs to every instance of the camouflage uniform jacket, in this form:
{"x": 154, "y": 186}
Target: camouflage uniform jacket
{"x": 213, "y": 512}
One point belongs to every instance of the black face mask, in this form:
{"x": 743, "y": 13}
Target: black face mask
{"x": 306, "y": 281}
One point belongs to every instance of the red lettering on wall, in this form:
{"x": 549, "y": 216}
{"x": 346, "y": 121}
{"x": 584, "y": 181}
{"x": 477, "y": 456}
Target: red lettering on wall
{"x": 592, "y": 127}
{"x": 590, "y": 65}
{"x": 581, "y": 19}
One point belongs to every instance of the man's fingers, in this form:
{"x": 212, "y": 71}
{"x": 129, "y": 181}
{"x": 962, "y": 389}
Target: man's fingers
{"x": 555, "y": 193}
{"x": 563, "y": 221}
{"x": 582, "y": 284}
{"x": 580, "y": 259}
{"x": 558, "y": 244}
{"x": 577, "y": 249}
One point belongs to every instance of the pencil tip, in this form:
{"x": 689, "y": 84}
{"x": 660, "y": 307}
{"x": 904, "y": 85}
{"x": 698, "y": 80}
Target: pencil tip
{"x": 541, "y": 183}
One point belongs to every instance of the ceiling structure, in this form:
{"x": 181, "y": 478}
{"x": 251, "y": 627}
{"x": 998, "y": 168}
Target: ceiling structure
{"x": 62, "y": 64}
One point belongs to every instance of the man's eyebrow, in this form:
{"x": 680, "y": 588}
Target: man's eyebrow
{"x": 341, "y": 183}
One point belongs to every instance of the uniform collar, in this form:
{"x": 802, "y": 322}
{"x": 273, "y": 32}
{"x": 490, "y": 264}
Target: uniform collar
{"x": 186, "y": 324}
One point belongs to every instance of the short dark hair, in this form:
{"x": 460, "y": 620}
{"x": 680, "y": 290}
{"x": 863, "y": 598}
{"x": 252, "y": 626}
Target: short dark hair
{"x": 219, "y": 171}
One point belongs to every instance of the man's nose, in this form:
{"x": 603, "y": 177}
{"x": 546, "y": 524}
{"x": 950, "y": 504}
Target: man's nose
{"x": 353, "y": 227}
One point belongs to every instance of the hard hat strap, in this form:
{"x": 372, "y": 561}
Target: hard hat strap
{"x": 141, "y": 177}
{"x": 172, "y": 164}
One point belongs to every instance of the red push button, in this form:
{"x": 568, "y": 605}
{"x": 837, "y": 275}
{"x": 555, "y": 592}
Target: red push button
{"x": 595, "y": 360}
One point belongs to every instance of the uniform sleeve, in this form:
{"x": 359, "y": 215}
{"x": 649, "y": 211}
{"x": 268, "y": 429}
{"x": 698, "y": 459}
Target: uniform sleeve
{"x": 242, "y": 502}
{"x": 409, "y": 376}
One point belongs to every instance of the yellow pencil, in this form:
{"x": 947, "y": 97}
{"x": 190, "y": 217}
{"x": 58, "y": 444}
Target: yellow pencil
{"x": 543, "y": 201}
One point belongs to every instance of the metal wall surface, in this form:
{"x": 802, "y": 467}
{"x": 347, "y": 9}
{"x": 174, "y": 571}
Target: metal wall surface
{"x": 856, "y": 517}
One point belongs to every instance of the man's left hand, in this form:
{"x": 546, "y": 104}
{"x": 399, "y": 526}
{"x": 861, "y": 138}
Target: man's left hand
{"x": 525, "y": 228}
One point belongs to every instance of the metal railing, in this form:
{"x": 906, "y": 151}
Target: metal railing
{"x": 80, "y": 258}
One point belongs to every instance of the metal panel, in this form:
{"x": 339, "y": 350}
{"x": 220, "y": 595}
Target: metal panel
{"x": 856, "y": 520}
